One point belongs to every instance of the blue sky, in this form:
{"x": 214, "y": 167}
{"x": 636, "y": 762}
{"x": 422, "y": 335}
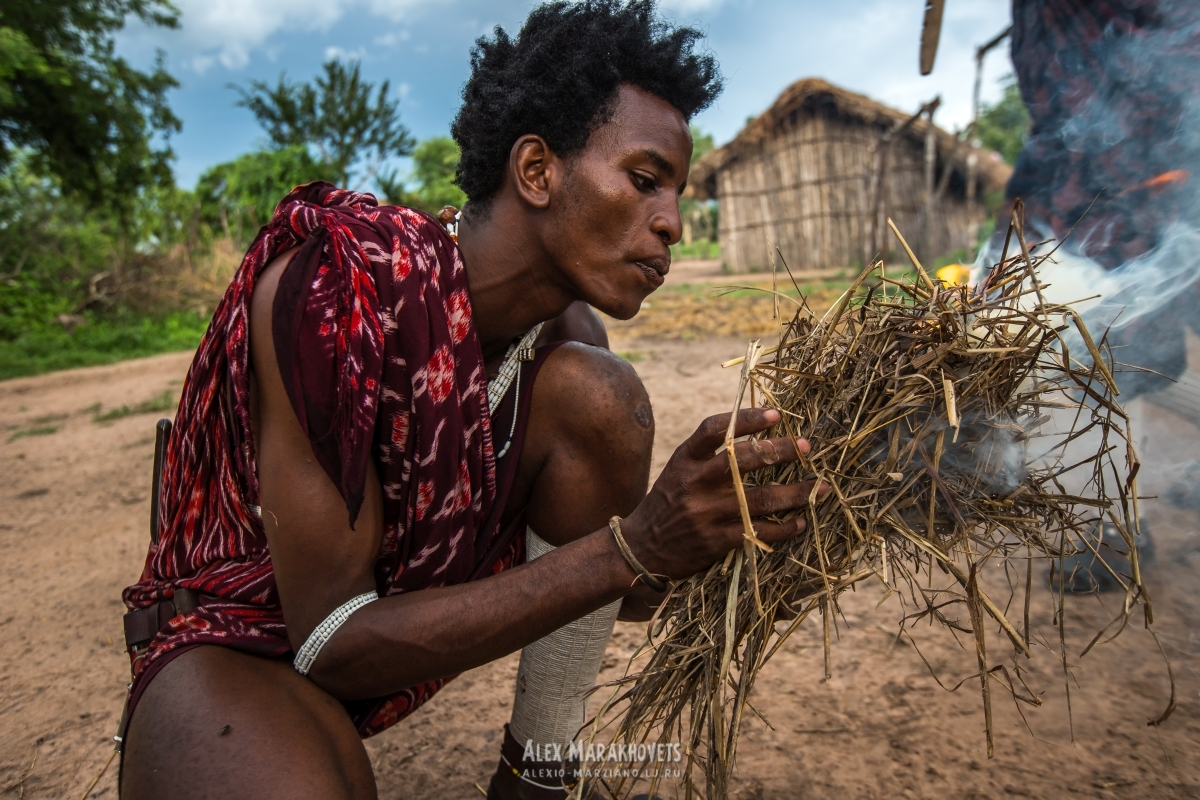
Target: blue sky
{"x": 869, "y": 46}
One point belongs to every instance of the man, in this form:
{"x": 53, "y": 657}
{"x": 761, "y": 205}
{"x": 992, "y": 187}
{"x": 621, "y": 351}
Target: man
{"x": 367, "y": 432}
{"x": 1112, "y": 157}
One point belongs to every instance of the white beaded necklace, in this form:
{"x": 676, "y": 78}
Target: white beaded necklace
{"x": 510, "y": 370}
{"x": 517, "y": 351}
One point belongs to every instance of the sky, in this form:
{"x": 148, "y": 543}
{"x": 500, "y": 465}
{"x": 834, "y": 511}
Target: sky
{"x": 423, "y": 50}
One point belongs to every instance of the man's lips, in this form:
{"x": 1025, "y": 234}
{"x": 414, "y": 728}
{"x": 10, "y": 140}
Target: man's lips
{"x": 655, "y": 269}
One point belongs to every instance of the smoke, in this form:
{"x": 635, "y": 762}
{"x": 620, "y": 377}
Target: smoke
{"x": 1142, "y": 287}
{"x": 1114, "y": 153}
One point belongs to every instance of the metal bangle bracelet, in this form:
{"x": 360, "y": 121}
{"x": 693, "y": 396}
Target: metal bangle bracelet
{"x": 654, "y": 582}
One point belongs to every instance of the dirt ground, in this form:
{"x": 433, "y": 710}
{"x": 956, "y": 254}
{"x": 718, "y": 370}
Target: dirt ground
{"x": 73, "y": 532}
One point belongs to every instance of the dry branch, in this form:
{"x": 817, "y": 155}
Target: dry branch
{"x": 955, "y": 431}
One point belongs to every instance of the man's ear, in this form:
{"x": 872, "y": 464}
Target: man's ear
{"x": 533, "y": 167}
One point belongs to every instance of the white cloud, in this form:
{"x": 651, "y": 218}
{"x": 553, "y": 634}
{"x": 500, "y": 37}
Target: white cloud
{"x": 229, "y": 32}
{"x": 341, "y": 53}
{"x": 392, "y": 38}
{"x": 396, "y": 10}
{"x": 690, "y": 6}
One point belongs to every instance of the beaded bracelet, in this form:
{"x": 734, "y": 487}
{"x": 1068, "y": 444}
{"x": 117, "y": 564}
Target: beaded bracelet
{"x": 655, "y": 583}
{"x": 308, "y": 651}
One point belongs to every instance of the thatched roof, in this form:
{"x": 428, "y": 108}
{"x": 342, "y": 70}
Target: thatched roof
{"x": 815, "y": 96}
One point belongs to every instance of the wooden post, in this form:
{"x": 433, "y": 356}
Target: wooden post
{"x": 878, "y": 229}
{"x": 927, "y": 208}
{"x": 973, "y": 132}
{"x": 726, "y": 222}
{"x": 972, "y": 228}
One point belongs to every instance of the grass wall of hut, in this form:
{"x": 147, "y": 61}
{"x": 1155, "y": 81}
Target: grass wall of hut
{"x": 811, "y": 177}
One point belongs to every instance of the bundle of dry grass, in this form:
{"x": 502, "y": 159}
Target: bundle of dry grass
{"x": 957, "y": 428}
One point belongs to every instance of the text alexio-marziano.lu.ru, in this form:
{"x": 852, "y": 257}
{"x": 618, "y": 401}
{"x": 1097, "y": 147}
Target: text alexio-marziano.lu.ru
{"x": 624, "y": 753}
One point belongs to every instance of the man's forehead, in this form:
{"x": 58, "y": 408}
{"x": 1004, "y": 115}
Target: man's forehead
{"x": 642, "y": 122}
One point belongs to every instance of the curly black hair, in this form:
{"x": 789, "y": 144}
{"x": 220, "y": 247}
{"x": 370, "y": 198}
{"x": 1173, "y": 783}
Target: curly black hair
{"x": 557, "y": 79}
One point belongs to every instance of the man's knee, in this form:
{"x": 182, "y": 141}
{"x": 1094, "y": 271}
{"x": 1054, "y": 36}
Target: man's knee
{"x": 591, "y": 435}
{"x": 217, "y": 723}
{"x": 607, "y": 396}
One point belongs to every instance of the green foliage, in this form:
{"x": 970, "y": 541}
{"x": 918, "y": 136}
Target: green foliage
{"x": 434, "y": 162}
{"x": 699, "y": 217}
{"x": 52, "y": 243}
{"x": 702, "y": 143}
{"x": 957, "y": 256}
{"x": 19, "y": 57}
{"x": 163, "y": 402}
{"x": 50, "y": 249}
{"x": 41, "y": 430}
{"x": 239, "y": 196}
{"x": 78, "y": 112}
{"x": 699, "y": 248}
{"x": 76, "y": 284}
{"x": 102, "y": 339}
{"x": 1003, "y": 126}
{"x": 336, "y": 116}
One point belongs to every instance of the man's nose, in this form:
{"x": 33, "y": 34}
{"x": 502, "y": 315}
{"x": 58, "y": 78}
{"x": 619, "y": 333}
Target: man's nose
{"x": 667, "y": 223}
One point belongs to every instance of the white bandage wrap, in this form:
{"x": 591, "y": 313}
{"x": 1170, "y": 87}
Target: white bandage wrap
{"x": 308, "y": 651}
{"x": 557, "y": 670}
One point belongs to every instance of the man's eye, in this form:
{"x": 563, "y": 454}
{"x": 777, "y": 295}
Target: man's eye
{"x": 644, "y": 183}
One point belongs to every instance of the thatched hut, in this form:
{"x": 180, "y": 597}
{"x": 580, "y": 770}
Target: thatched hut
{"x": 819, "y": 172}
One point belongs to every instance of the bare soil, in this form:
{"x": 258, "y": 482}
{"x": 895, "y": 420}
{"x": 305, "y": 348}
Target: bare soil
{"x": 73, "y": 531}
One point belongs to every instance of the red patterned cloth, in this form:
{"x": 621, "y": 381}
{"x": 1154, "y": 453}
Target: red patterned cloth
{"x": 1112, "y": 95}
{"x": 376, "y": 346}
{"x": 1112, "y": 92}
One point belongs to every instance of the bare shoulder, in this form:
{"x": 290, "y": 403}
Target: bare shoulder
{"x": 579, "y": 323}
{"x": 591, "y": 391}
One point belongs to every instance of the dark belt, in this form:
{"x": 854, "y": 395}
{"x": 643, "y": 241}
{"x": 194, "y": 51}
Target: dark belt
{"x": 143, "y": 624}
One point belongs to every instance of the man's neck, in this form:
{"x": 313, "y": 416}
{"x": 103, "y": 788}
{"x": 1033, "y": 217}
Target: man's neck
{"x": 513, "y": 281}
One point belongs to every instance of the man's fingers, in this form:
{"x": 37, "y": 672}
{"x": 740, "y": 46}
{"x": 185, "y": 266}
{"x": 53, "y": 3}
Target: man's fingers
{"x": 755, "y": 454}
{"x": 765, "y": 501}
{"x": 711, "y": 433}
{"x": 773, "y": 532}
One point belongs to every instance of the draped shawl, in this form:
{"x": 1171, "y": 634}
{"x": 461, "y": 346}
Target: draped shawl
{"x": 376, "y": 346}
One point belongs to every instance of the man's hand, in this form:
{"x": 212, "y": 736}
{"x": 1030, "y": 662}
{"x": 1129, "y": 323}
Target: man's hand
{"x": 691, "y": 517}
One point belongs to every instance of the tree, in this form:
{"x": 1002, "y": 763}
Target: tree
{"x": 434, "y": 163}
{"x": 335, "y": 116}
{"x": 699, "y": 218}
{"x": 1004, "y": 126}
{"x": 702, "y": 143}
{"x": 82, "y": 114}
{"x": 248, "y": 188}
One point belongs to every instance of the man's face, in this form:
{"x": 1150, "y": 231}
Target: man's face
{"x": 617, "y": 210}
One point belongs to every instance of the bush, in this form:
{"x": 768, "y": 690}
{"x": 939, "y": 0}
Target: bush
{"x": 80, "y": 286}
{"x": 1004, "y": 126}
{"x": 99, "y": 339}
{"x": 434, "y": 162}
{"x": 238, "y": 197}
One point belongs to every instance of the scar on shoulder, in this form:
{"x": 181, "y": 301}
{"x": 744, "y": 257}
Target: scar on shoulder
{"x": 644, "y": 415}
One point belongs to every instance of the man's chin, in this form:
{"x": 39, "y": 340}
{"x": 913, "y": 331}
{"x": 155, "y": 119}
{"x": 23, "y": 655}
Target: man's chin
{"x": 622, "y": 308}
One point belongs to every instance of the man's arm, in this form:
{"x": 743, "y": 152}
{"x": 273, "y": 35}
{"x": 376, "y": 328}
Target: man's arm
{"x": 689, "y": 521}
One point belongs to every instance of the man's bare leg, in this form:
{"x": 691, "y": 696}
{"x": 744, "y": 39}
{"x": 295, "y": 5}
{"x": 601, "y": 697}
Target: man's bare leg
{"x": 591, "y": 431}
{"x": 216, "y": 723}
